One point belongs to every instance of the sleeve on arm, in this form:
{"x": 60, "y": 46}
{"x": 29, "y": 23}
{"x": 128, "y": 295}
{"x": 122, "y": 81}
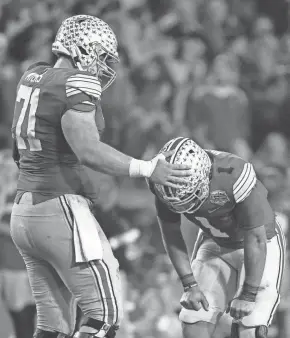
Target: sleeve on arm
{"x": 82, "y": 92}
{"x": 254, "y": 210}
{"x": 245, "y": 183}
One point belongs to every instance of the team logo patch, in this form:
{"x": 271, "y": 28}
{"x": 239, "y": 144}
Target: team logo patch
{"x": 219, "y": 197}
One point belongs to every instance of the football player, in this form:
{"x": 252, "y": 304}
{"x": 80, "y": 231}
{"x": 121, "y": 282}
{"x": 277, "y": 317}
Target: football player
{"x": 238, "y": 259}
{"x": 56, "y": 127}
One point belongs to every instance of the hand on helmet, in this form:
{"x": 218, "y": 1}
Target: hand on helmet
{"x": 171, "y": 175}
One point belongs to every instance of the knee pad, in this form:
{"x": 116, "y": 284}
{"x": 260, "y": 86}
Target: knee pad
{"x": 93, "y": 328}
{"x": 48, "y": 334}
{"x": 257, "y": 332}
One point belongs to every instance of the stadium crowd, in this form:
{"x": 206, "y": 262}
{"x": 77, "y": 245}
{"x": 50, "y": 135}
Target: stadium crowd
{"x": 217, "y": 71}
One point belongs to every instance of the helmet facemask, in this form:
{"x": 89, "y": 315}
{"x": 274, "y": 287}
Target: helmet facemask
{"x": 105, "y": 72}
{"x": 189, "y": 203}
{"x": 97, "y": 66}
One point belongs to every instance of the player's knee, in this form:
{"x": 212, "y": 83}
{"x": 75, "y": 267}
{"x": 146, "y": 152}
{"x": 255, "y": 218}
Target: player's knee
{"x": 49, "y": 334}
{"x": 93, "y": 328}
{"x": 113, "y": 318}
{"x": 240, "y": 331}
{"x": 197, "y": 330}
{"x": 191, "y": 316}
{"x": 113, "y": 315}
{"x": 261, "y": 331}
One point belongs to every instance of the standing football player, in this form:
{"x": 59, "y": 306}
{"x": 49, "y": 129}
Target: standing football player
{"x": 238, "y": 259}
{"x": 56, "y": 127}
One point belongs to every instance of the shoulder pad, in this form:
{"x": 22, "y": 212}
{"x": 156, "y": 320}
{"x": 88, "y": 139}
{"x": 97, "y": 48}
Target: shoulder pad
{"x": 245, "y": 181}
{"x": 83, "y": 83}
{"x": 242, "y": 177}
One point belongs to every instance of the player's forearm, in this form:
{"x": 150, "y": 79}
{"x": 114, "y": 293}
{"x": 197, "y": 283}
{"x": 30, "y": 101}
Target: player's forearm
{"x": 175, "y": 247}
{"x": 255, "y": 251}
{"x": 101, "y": 157}
{"x": 82, "y": 135}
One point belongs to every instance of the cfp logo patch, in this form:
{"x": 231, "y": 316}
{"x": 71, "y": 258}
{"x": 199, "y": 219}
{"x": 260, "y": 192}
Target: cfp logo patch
{"x": 219, "y": 197}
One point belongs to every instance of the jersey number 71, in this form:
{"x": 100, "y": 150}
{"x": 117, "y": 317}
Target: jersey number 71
{"x": 25, "y": 110}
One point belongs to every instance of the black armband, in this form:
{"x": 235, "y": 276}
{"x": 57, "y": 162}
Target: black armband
{"x": 249, "y": 292}
{"x": 188, "y": 281}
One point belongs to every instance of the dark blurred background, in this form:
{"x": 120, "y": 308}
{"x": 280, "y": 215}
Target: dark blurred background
{"x": 217, "y": 71}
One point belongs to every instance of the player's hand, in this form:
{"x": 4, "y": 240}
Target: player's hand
{"x": 239, "y": 308}
{"x": 171, "y": 175}
{"x": 194, "y": 299}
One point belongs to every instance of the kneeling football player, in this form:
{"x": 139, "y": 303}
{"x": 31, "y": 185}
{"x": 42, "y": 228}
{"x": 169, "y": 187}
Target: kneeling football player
{"x": 238, "y": 259}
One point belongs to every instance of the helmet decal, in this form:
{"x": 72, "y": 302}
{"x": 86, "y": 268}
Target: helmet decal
{"x": 191, "y": 195}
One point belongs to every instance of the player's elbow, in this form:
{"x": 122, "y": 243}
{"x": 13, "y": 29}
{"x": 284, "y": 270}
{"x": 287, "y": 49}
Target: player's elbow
{"x": 84, "y": 158}
{"x": 259, "y": 243}
{"x": 256, "y": 237}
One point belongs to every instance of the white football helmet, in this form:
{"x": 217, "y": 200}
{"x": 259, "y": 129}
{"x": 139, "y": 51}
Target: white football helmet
{"x": 91, "y": 43}
{"x": 190, "y": 196}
